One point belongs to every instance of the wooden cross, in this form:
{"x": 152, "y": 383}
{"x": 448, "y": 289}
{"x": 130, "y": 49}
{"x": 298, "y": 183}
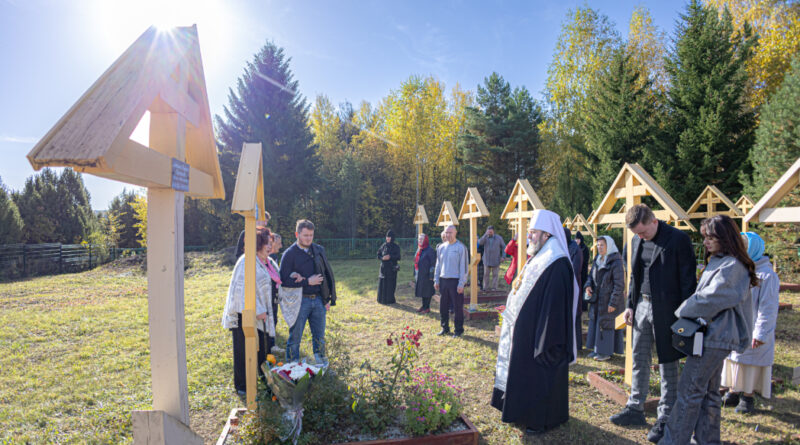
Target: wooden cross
{"x": 633, "y": 183}
{"x": 567, "y": 222}
{"x": 715, "y": 203}
{"x": 766, "y": 210}
{"x": 744, "y": 204}
{"x": 248, "y": 201}
{"x": 447, "y": 216}
{"x": 161, "y": 72}
{"x": 420, "y": 218}
{"x": 473, "y": 208}
{"x": 520, "y": 206}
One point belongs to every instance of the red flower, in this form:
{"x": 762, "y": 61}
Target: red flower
{"x": 310, "y": 372}
{"x": 389, "y": 341}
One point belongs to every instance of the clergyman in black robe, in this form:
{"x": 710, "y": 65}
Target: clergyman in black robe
{"x": 537, "y": 341}
{"x": 389, "y": 254}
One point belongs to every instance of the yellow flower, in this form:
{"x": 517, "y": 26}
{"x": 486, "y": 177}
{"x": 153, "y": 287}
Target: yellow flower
{"x": 271, "y": 358}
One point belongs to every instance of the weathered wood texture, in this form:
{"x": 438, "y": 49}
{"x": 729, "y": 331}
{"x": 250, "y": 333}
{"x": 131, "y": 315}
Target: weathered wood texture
{"x": 766, "y": 210}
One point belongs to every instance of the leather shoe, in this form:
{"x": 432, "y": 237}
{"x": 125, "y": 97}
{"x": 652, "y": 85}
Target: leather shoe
{"x": 457, "y": 334}
{"x": 535, "y": 431}
{"x": 443, "y": 332}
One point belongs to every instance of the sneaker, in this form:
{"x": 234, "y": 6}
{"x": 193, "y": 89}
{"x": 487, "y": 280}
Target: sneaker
{"x": 443, "y": 332}
{"x": 657, "y": 432}
{"x": 730, "y": 399}
{"x": 592, "y": 355}
{"x": 628, "y": 417}
{"x": 746, "y": 405}
{"x": 601, "y": 358}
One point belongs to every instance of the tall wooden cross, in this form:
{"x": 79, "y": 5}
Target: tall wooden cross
{"x": 161, "y": 72}
{"x": 744, "y": 204}
{"x": 447, "y": 216}
{"x": 712, "y": 202}
{"x": 473, "y": 208}
{"x": 520, "y": 206}
{"x": 567, "y": 222}
{"x": 420, "y": 218}
{"x": 248, "y": 201}
{"x": 633, "y": 183}
{"x": 766, "y": 210}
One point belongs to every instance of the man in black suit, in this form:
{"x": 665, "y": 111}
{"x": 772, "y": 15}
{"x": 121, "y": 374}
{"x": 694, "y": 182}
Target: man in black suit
{"x": 663, "y": 275}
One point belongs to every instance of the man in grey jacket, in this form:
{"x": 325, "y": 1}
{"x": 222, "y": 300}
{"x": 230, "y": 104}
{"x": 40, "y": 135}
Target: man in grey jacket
{"x": 450, "y": 277}
{"x": 493, "y": 254}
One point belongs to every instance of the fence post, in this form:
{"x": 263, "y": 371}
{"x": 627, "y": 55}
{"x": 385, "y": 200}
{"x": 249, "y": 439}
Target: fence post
{"x": 90, "y": 256}
{"x": 24, "y": 261}
{"x": 60, "y": 258}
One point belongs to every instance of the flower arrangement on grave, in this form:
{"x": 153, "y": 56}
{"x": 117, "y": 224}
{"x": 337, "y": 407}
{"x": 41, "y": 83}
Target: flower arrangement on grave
{"x": 500, "y": 309}
{"x": 289, "y": 384}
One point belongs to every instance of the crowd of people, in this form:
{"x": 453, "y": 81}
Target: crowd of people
{"x": 731, "y": 311}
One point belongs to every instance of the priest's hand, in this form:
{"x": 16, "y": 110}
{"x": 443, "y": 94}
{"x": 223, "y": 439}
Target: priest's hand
{"x": 629, "y": 317}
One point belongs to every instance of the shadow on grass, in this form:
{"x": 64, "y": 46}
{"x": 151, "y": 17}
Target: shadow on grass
{"x": 575, "y": 431}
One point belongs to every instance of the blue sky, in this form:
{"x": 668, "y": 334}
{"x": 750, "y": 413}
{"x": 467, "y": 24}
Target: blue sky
{"x": 51, "y": 51}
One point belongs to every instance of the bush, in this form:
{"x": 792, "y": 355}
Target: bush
{"x": 432, "y": 402}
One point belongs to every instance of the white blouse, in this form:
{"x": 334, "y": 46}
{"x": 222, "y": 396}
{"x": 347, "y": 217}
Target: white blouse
{"x": 234, "y": 305}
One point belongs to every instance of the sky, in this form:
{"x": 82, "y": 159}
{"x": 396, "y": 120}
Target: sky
{"x": 51, "y": 51}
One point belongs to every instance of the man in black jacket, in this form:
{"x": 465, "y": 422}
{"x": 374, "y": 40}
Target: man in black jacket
{"x": 304, "y": 264}
{"x": 663, "y": 275}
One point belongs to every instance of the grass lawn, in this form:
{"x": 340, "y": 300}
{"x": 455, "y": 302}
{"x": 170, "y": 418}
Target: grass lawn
{"x": 75, "y": 360}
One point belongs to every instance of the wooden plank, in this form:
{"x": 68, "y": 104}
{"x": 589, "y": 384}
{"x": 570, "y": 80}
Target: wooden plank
{"x": 159, "y": 428}
{"x": 787, "y": 182}
{"x": 779, "y": 215}
{"x": 245, "y": 193}
{"x": 473, "y": 205}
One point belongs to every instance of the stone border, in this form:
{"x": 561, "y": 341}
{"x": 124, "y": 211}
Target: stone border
{"x": 615, "y": 392}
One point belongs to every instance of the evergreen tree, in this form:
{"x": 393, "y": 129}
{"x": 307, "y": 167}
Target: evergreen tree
{"x": 711, "y": 124}
{"x": 500, "y": 141}
{"x": 55, "y": 209}
{"x": 621, "y": 124}
{"x": 777, "y": 144}
{"x": 268, "y": 108}
{"x": 122, "y": 211}
{"x": 10, "y": 222}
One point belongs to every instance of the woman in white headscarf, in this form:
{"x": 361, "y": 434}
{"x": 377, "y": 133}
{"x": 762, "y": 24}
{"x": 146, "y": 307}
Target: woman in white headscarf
{"x": 605, "y": 290}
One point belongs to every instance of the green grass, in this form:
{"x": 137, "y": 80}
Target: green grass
{"x": 75, "y": 360}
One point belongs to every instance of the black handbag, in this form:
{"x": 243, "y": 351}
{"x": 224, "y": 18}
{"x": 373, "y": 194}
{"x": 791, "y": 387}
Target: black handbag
{"x": 687, "y": 336}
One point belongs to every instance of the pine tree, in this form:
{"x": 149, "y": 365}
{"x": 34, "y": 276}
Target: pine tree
{"x": 621, "y": 124}
{"x": 121, "y": 210}
{"x": 500, "y": 141}
{"x": 711, "y": 125}
{"x": 10, "y": 222}
{"x": 778, "y": 136}
{"x": 268, "y": 108}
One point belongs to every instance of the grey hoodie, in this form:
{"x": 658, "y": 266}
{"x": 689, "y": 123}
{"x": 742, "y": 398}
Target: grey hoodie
{"x": 723, "y": 300}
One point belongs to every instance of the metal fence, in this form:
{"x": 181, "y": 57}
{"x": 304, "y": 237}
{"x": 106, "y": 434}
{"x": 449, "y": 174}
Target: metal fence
{"x": 26, "y": 260}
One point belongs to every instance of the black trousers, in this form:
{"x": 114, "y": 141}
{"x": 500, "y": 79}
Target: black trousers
{"x": 448, "y": 287}
{"x": 239, "y": 361}
{"x": 426, "y": 302}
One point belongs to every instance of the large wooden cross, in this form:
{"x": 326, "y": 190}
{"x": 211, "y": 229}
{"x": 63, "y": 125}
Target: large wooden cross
{"x": 520, "y": 206}
{"x": 447, "y": 216}
{"x": 744, "y": 204}
{"x": 633, "y": 183}
{"x": 766, "y": 210}
{"x": 473, "y": 208}
{"x": 420, "y": 218}
{"x": 712, "y": 202}
{"x": 567, "y": 222}
{"x": 248, "y": 201}
{"x": 161, "y": 72}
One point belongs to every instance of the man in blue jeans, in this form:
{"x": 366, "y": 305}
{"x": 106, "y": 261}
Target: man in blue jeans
{"x": 304, "y": 264}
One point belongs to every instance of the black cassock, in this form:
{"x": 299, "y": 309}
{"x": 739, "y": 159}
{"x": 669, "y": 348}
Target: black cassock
{"x": 537, "y": 394}
{"x": 387, "y": 281}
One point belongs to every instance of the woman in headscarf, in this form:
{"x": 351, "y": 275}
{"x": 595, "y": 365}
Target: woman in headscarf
{"x": 751, "y": 370}
{"x": 234, "y": 305}
{"x": 389, "y": 254}
{"x": 424, "y": 264}
{"x": 606, "y": 284}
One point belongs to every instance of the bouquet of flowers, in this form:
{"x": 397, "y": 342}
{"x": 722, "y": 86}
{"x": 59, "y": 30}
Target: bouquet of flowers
{"x": 289, "y": 383}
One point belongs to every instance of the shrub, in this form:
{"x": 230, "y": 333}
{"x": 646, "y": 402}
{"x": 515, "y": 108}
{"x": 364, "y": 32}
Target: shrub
{"x": 432, "y": 402}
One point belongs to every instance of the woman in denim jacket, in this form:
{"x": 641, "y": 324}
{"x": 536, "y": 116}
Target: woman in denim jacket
{"x": 722, "y": 300}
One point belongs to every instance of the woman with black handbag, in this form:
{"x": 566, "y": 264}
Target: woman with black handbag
{"x": 721, "y": 302}
{"x": 605, "y": 294}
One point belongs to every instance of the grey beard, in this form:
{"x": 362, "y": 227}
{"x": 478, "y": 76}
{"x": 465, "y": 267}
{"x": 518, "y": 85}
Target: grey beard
{"x": 534, "y": 248}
